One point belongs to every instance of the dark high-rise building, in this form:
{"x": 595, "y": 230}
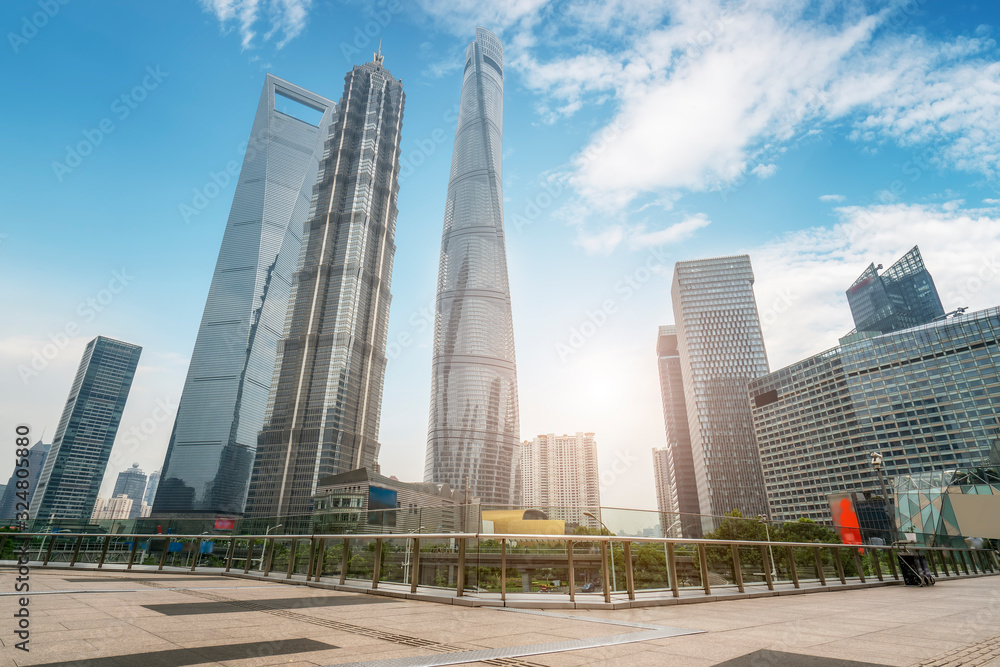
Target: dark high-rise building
{"x": 474, "y": 432}
{"x": 132, "y": 483}
{"x": 211, "y": 450}
{"x": 9, "y": 499}
{"x": 74, "y": 467}
{"x": 721, "y": 350}
{"x": 903, "y": 296}
{"x": 677, "y": 490}
{"x": 323, "y": 413}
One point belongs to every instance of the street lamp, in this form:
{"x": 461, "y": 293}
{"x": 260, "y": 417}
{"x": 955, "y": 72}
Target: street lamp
{"x": 767, "y": 531}
{"x": 268, "y": 531}
{"x": 877, "y": 462}
{"x": 614, "y": 579}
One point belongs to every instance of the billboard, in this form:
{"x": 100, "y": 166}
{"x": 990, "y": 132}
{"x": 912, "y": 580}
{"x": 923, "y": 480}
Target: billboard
{"x": 382, "y": 506}
{"x": 845, "y": 518}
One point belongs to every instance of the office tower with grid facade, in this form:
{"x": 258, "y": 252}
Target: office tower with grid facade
{"x": 924, "y": 397}
{"x": 673, "y": 465}
{"x": 132, "y": 483}
{"x": 323, "y": 413}
{"x": 559, "y": 476}
{"x": 902, "y": 297}
{"x": 9, "y": 499}
{"x": 721, "y": 349}
{"x": 151, "y": 484}
{"x": 211, "y": 449}
{"x": 74, "y": 467}
{"x": 473, "y": 431}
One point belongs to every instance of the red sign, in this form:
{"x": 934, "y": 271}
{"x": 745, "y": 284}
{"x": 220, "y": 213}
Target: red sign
{"x": 225, "y": 524}
{"x": 845, "y": 518}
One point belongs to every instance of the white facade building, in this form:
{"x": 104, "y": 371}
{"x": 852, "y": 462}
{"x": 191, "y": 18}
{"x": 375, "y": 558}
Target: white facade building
{"x": 559, "y": 476}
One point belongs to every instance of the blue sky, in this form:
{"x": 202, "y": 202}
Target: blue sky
{"x": 815, "y": 136}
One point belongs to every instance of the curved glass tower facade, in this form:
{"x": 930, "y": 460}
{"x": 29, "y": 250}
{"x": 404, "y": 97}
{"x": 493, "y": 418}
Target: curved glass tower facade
{"x": 474, "y": 432}
{"x": 326, "y": 398}
{"x": 211, "y": 449}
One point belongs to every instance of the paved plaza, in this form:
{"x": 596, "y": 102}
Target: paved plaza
{"x": 102, "y": 619}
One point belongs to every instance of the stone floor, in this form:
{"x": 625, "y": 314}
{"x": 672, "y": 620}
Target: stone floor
{"x": 102, "y": 619}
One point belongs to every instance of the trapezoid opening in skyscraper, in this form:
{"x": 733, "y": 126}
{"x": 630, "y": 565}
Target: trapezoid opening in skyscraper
{"x": 473, "y": 432}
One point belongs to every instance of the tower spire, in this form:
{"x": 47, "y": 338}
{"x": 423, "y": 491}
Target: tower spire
{"x": 378, "y": 57}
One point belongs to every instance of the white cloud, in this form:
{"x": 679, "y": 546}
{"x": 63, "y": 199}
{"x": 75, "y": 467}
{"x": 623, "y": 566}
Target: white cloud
{"x": 763, "y": 171}
{"x": 675, "y": 233}
{"x": 832, "y": 198}
{"x": 287, "y": 17}
{"x": 801, "y": 277}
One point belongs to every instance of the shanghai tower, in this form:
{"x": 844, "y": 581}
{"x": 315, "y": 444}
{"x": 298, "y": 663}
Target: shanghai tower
{"x": 473, "y": 434}
{"x": 326, "y": 397}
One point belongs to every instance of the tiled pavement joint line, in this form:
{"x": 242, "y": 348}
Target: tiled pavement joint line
{"x": 606, "y": 621}
{"x": 979, "y": 653}
{"x": 127, "y": 590}
{"x": 485, "y": 655}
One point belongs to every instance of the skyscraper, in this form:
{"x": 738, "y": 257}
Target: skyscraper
{"x": 74, "y": 467}
{"x": 902, "y": 297}
{"x": 211, "y": 450}
{"x": 323, "y": 412}
{"x": 151, "y": 484}
{"x": 9, "y": 499}
{"x": 131, "y": 482}
{"x": 673, "y": 465}
{"x": 474, "y": 432}
{"x": 721, "y": 349}
{"x": 559, "y": 476}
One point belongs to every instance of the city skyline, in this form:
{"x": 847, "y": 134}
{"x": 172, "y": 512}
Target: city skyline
{"x": 739, "y": 184}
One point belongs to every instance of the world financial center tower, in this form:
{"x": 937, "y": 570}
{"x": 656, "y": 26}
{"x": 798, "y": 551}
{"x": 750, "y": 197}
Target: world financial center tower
{"x": 326, "y": 398}
{"x": 222, "y": 406}
{"x": 473, "y": 433}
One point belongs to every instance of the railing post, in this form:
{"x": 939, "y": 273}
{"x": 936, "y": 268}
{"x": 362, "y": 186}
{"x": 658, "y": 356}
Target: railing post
{"x": 345, "y": 560}
{"x": 415, "y": 563}
{"x": 961, "y": 553}
{"x": 876, "y": 554}
{"x": 572, "y": 571}
{"x": 460, "y": 584}
{"x": 104, "y": 551}
{"x": 892, "y": 564}
{"x": 377, "y": 564}
{"x": 839, "y": 564}
{"x": 312, "y": 557}
{"x": 792, "y": 569}
{"x": 767, "y": 567}
{"x": 131, "y": 553}
{"x": 703, "y": 566}
{"x": 291, "y": 558}
{"x": 672, "y": 570}
{"x": 232, "y": 552}
{"x": 320, "y": 557}
{"x": 196, "y": 555}
{"x": 76, "y": 550}
{"x": 859, "y": 564}
{"x": 503, "y": 570}
{"x": 48, "y": 552}
{"x": 270, "y": 556}
{"x": 605, "y": 575}
{"x": 819, "y": 566}
{"x": 737, "y": 568}
{"x": 629, "y": 573}
{"x": 248, "y": 561}
{"x": 929, "y": 555}
{"x": 163, "y": 554}
{"x": 944, "y": 564}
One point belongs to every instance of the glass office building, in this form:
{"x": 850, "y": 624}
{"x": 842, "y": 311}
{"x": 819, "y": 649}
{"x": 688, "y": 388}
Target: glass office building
{"x": 211, "y": 450}
{"x": 473, "y": 431}
{"x": 924, "y": 397}
{"x": 721, "y": 349}
{"x": 673, "y": 465}
{"x": 323, "y": 413}
{"x": 9, "y": 499}
{"x": 903, "y": 296}
{"x": 78, "y": 456}
{"x": 132, "y": 483}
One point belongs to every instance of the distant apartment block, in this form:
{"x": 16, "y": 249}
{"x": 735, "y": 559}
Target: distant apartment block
{"x": 721, "y": 350}
{"x": 559, "y": 476}
{"x": 673, "y": 465}
{"x": 78, "y": 457}
{"x": 112, "y": 509}
{"x": 925, "y": 397}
